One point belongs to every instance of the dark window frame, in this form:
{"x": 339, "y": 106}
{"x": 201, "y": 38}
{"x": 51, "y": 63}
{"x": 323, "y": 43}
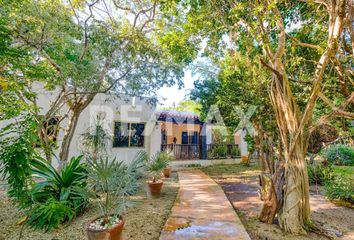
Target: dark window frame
{"x": 129, "y": 129}
{"x": 51, "y": 128}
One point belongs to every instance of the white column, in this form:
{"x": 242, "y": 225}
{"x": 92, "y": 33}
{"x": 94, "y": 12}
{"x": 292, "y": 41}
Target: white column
{"x": 243, "y": 143}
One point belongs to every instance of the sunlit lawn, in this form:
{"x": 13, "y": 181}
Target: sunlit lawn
{"x": 345, "y": 171}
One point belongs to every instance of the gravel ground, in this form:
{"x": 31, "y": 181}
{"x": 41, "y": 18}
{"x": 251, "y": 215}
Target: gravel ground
{"x": 144, "y": 221}
{"x": 240, "y": 186}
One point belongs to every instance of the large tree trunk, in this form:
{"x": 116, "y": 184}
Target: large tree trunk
{"x": 292, "y": 123}
{"x": 68, "y": 135}
{"x": 76, "y": 109}
{"x": 295, "y": 212}
{"x": 272, "y": 193}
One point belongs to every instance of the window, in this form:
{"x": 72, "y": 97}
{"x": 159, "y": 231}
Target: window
{"x": 184, "y": 137}
{"x": 49, "y": 132}
{"x": 137, "y": 135}
{"x": 128, "y": 134}
{"x": 194, "y": 138}
{"x": 163, "y": 137}
{"x": 51, "y": 129}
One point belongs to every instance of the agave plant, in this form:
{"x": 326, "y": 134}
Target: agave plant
{"x": 63, "y": 185}
{"x": 116, "y": 180}
{"x": 58, "y": 195}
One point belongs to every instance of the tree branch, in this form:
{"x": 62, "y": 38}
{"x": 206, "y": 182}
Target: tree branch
{"x": 282, "y": 37}
{"x": 323, "y": 2}
{"x": 339, "y": 110}
{"x": 302, "y": 44}
{"x": 279, "y": 75}
{"x": 335, "y": 29}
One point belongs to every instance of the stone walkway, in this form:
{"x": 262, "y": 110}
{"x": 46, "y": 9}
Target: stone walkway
{"x": 202, "y": 211}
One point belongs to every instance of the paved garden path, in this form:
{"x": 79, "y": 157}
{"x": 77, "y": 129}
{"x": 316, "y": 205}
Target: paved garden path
{"x": 202, "y": 211}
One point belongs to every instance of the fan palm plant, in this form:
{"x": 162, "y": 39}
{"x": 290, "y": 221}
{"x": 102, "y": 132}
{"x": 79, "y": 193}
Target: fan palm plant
{"x": 168, "y": 155}
{"x": 155, "y": 165}
{"x": 116, "y": 181}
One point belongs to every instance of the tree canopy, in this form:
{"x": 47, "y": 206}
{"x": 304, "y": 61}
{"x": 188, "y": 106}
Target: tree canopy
{"x": 82, "y": 48}
{"x": 291, "y": 58}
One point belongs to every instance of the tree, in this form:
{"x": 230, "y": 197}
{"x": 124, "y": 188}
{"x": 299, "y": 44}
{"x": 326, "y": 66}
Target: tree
{"x": 266, "y": 31}
{"x": 112, "y": 47}
{"x": 188, "y": 106}
{"x": 240, "y": 82}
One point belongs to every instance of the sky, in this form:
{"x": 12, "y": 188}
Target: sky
{"x": 169, "y": 95}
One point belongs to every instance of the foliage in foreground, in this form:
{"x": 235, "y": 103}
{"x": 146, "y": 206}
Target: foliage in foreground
{"x": 340, "y": 188}
{"x": 50, "y": 214}
{"x": 319, "y": 173}
{"x": 116, "y": 180}
{"x": 59, "y": 196}
{"x": 16, "y": 156}
{"x": 337, "y": 185}
{"x": 339, "y": 154}
{"x": 157, "y": 163}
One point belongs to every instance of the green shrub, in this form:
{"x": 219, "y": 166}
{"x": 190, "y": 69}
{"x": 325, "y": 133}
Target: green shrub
{"x": 157, "y": 163}
{"x": 235, "y": 152}
{"x": 340, "y": 188}
{"x": 16, "y": 155}
{"x": 339, "y": 154}
{"x": 251, "y": 143}
{"x": 168, "y": 155}
{"x": 319, "y": 173}
{"x": 65, "y": 190}
{"x": 219, "y": 151}
{"x": 50, "y": 214}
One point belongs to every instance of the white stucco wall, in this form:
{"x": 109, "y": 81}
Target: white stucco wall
{"x": 209, "y": 134}
{"x": 114, "y": 109}
{"x": 155, "y": 140}
{"x": 243, "y": 143}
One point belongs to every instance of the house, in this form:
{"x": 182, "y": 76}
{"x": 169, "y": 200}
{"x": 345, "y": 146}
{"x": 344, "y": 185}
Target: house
{"x": 188, "y": 137}
{"x": 179, "y": 127}
{"x": 129, "y": 120}
{"x": 134, "y": 125}
{"x": 181, "y": 133}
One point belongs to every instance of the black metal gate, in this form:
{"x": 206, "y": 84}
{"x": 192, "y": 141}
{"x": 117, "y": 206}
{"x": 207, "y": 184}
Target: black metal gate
{"x": 184, "y": 151}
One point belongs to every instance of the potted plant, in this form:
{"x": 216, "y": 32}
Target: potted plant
{"x": 155, "y": 166}
{"x": 113, "y": 181}
{"x": 169, "y": 157}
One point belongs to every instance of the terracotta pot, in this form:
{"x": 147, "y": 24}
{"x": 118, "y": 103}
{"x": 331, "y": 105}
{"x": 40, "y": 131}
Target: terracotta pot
{"x": 167, "y": 172}
{"x": 155, "y": 188}
{"x": 244, "y": 159}
{"x": 114, "y": 233}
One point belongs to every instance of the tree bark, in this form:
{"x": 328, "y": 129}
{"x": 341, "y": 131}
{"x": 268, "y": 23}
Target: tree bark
{"x": 273, "y": 194}
{"x": 293, "y": 125}
{"x": 76, "y": 107}
{"x": 68, "y": 135}
{"x": 295, "y": 212}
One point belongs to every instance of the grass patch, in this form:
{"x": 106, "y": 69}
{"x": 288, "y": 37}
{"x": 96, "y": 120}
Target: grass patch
{"x": 230, "y": 169}
{"x": 344, "y": 171}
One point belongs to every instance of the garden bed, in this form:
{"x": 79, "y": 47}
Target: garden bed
{"x": 239, "y": 183}
{"x": 144, "y": 220}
